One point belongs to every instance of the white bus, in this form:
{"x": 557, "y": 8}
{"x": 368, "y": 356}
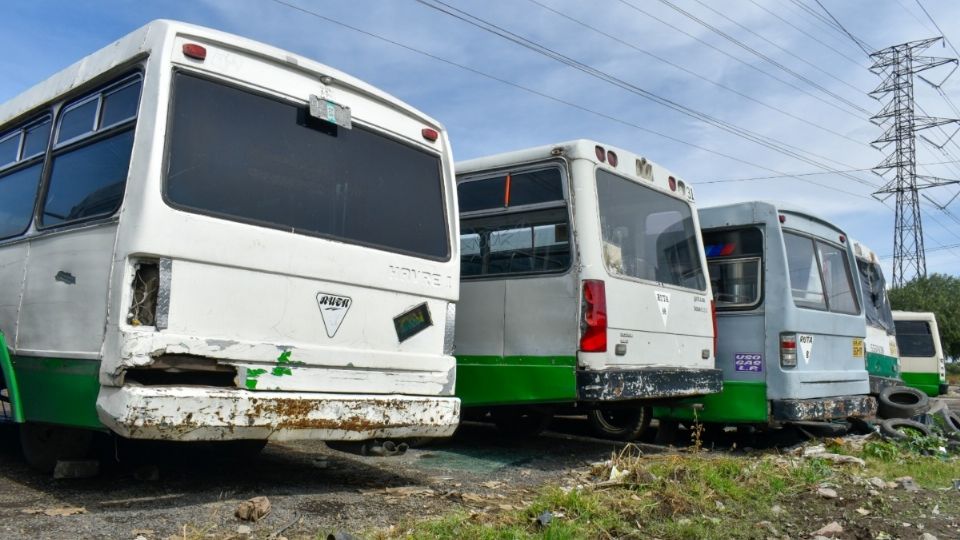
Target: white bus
{"x": 921, "y": 353}
{"x": 583, "y": 283}
{"x": 883, "y": 363}
{"x": 203, "y": 237}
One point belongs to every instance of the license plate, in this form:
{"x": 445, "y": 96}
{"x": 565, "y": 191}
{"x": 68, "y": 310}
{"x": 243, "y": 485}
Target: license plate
{"x": 858, "y": 348}
{"x": 329, "y": 111}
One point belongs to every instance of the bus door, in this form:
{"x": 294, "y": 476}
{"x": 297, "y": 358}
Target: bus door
{"x": 517, "y": 320}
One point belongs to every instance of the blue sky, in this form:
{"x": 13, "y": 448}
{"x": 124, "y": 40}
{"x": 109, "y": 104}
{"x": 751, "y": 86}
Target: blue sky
{"x": 485, "y": 116}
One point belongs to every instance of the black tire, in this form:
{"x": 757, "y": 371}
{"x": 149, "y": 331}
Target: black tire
{"x": 45, "y": 444}
{"x": 667, "y": 432}
{"x": 900, "y": 428}
{"x": 902, "y": 402}
{"x": 620, "y": 423}
{"x": 949, "y": 421}
{"x": 521, "y": 421}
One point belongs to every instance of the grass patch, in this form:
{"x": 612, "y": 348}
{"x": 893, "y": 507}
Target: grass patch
{"x": 699, "y": 495}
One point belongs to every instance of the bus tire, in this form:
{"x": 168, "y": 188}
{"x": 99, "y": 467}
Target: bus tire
{"x": 902, "y": 402}
{"x": 521, "y": 421}
{"x": 620, "y": 423}
{"x": 901, "y": 428}
{"x": 667, "y": 432}
{"x": 43, "y": 445}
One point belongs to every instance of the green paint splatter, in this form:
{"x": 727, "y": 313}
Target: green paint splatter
{"x": 252, "y": 375}
{"x": 280, "y": 371}
{"x": 284, "y": 357}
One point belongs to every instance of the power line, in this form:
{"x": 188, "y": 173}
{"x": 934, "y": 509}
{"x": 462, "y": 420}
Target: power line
{"x": 937, "y": 26}
{"x": 791, "y": 175}
{"x": 768, "y": 142}
{"x": 864, "y": 46}
{"x": 762, "y": 56}
{"x": 550, "y": 97}
{"x": 694, "y": 73}
{"x": 812, "y": 37}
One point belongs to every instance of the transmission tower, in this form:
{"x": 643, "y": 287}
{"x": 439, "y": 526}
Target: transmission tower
{"x": 897, "y": 65}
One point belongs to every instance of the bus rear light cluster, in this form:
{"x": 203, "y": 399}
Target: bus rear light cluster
{"x": 593, "y": 321}
{"x": 197, "y": 52}
{"x": 150, "y": 301}
{"x": 612, "y": 158}
{"x": 788, "y": 350}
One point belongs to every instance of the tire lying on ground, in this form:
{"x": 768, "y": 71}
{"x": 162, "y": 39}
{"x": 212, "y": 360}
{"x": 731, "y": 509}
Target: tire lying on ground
{"x": 902, "y": 402}
{"x": 901, "y": 428}
{"x": 948, "y": 421}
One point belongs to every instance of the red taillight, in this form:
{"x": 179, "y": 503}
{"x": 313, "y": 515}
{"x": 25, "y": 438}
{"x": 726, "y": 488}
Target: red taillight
{"x": 429, "y": 134}
{"x": 673, "y": 183}
{"x": 612, "y": 158}
{"x": 716, "y": 334}
{"x": 601, "y": 153}
{"x": 192, "y": 50}
{"x": 788, "y": 350}
{"x": 593, "y": 322}
{"x": 783, "y": 218}
{"x": 843, "y": 239}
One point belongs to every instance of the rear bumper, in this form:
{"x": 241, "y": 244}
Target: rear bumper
{"x": 196, "y": 414}
{"x": 647, "y": 383}
{"x": 830, "y": 408}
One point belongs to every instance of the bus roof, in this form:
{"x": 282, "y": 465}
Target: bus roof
{"x": 155, "y": 36}
{"x": 861, "y": 251}
{"x": 629, "y": 164}
{"x": 747, "y": 212}
{"x": 913, "y": 316}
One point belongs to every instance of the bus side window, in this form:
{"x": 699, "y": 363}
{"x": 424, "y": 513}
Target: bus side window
{"x": 21, "y": 163}
{"x": 805, "y": 282}
{"x": 92, "y": 155}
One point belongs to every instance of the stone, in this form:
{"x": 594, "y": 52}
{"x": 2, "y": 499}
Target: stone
{"x": 81, "y": 468}
{"x": 830, "y": 530}
{"x": 907, "y": 483}
{"x": 244, "y": 529}
{"x": 827, "y": 493}
{"x": 253, "y": 509}
{"x": 927, "y": 536}
{"x": 877, "y": 483}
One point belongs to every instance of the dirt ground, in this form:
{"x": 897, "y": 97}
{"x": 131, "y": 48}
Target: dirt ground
{"x": 315, "y": 491}
{"x": 312, "y": 489}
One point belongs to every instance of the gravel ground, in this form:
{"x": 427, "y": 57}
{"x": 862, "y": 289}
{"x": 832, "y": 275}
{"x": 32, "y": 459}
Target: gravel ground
{"x": 312, "y": 489}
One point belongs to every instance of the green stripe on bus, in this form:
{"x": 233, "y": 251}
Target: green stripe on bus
{"x": 739, "y": 402}
{"x": 58, "y": 390}
{"x": 881, "y": 365}
{"x": 928, "y": 383}
{"x": 516, "y": 380}
{"x": 10, "y": 379}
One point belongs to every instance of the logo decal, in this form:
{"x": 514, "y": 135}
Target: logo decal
{"x": 333, "y": 309}
{"x": 748, "y": 362}
{"x": 805, "y": 344}
{"x": 663, "y": 305}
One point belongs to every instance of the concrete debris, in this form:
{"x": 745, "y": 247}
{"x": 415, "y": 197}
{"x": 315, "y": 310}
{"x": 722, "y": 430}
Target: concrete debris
{"x": 819, "y": 451}
{"x": 253, "y": 510}
{"x": 827, "y": 493}
{"x": 907, "y": 483}
{"x": 830, "y": 530}
{"x": 86, "y": 468}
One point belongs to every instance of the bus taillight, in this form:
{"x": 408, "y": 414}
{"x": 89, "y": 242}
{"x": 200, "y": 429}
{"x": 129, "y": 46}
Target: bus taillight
{"x": 788, "y": 350}
{"x": 593, "y": 322}
{"x": 192, "y": 50}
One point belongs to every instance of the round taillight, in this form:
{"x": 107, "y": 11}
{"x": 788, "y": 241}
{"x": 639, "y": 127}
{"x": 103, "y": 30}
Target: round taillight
{"x": 843, "y": 239}
{"x": 429, "y": 134}
{"x": 192, "y": 50}
{"x": 673, "y": 183}
{"x": 601, "y": 154}
{"x": 612, "y": 158}
{"x": 783, "y": 218}
{"x": 682, "y": 187}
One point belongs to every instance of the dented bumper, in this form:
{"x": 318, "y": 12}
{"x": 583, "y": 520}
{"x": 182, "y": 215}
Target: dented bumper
{"x": 829, "y": 408}
{"x": 647, "y": 383}
{"x": 198, "y": 414}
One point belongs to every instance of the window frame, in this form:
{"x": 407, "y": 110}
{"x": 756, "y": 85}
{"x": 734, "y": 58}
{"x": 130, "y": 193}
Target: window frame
{"x": 97, "y": 134}
{"x": 566, "y": 203}
{"x": 264, "y": 93}
{"x": 698, "y": 235}
{"x": 727, "y": 306}
{"x": 761, "y": 255}
{"x": 20, "y": 164}
{"x": 814, "y": 240}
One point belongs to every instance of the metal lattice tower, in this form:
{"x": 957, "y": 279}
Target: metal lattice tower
{"x": 897, "y": 65}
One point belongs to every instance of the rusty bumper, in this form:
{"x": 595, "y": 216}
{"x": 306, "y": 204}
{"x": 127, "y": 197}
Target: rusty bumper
{"x": 830, "y": 408}
{"x": 647, "y": 383}
{"x": 197, "y": 414}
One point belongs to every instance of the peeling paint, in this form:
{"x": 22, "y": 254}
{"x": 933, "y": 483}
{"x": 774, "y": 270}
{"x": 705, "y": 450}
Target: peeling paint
{"x": 647, "y": 383}
{"x": 831, "y": 408}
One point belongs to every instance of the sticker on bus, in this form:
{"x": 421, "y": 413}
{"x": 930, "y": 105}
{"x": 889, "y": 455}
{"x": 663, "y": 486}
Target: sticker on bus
{"x": 857, "y": 348}
{"x": 663, "y": 304}
{"x": 751, "y": 362}
{"x": 805, "y": 344}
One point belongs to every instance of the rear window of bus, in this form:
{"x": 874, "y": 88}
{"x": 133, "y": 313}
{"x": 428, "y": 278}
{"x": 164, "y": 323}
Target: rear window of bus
{"x": 255, "y": 159}
{"x": 914, "y": 339}
{"x": 819, "y": 275}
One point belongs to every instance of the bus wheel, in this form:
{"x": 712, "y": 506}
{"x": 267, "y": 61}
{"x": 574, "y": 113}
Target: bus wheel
{"x": 44, "y": 444}
{"x": 621, "y": 423}
{"x": 522, "y": 421}
{"x": 667, "y": 432}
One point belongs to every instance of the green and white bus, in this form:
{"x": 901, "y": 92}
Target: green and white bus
{"x": 583, "y": 284}
{"x": 883, "y": 363}
{"x": 921, "y": 352}
{"x": 203, "y": 237}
